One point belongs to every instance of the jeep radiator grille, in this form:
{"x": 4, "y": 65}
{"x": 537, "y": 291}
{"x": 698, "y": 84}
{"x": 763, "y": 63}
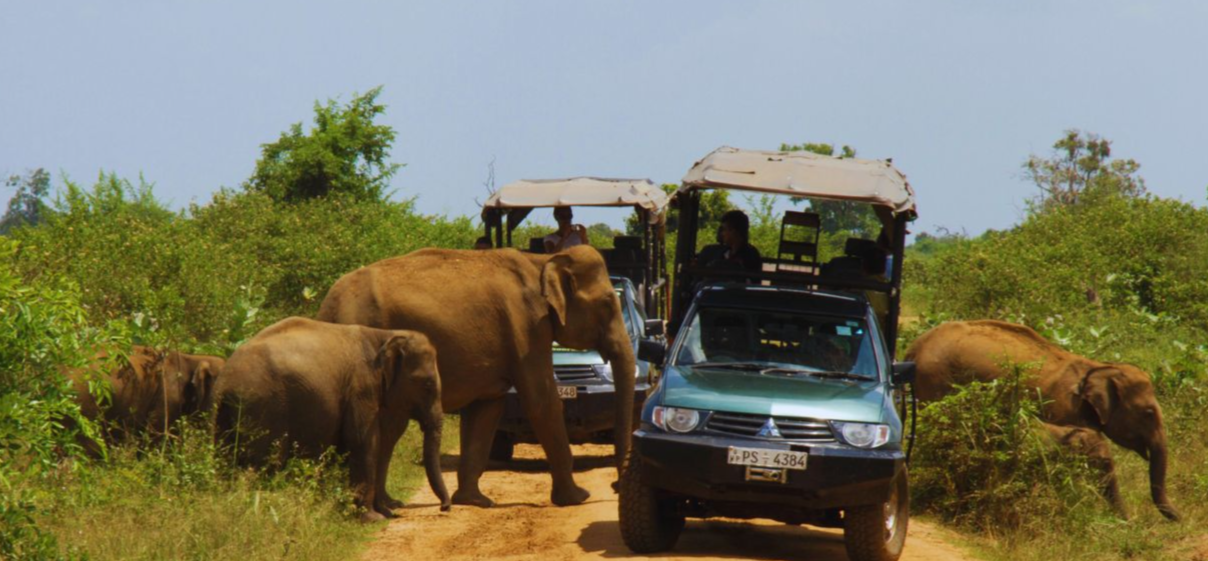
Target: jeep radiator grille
{"x": 574, "y": 373}
{"x": 809, "y": 430}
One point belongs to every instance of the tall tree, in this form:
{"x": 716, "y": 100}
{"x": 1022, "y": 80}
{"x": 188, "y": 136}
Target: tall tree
{"x": 839, "y": 216}
{"x": 344, "y": 152}
{"x": 27, "y": 206}
{"x": 1080, "y": 168}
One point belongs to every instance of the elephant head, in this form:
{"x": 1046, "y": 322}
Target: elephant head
{"x": 182, "y": 385}
{"x": 1119, "y": 400}
{"x": 411, "y": 388}
{"x": 586, "y": 314}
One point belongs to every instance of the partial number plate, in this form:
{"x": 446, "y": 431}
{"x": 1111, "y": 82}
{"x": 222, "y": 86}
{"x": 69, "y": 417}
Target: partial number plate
{"x": 762, "y": 457}
{"x": 568, "y": 392}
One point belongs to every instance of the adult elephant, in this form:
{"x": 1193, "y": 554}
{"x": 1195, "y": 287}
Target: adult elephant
{"x": 149, "y": 390}
{"x": 306, "y": 386}
{"x": 1115, "y": 399}
{"x": 494, "y": 316}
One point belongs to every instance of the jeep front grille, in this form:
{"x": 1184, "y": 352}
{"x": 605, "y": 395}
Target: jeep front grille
{"x": 574, "y": 373}
{"x": 808, "y": 430}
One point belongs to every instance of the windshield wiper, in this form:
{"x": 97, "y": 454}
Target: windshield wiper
{"x": 817, "y": 373}
{"x": 731, "y": 365}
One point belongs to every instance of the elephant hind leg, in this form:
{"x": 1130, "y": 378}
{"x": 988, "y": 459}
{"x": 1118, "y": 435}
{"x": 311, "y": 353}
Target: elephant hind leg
{"x": 479, "y": 420}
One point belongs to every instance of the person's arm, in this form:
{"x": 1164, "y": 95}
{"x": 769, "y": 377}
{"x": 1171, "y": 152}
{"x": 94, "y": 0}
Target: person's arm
{"x": 583, "y": 234}
{"x": 550, "y": 245}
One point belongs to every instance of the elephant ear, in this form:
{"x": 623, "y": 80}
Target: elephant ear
{"x": 201, "y": 383}
{"x": 390, "y": 364}
{"x": 1100, "y": 392}
{"x": 557, "y": 284}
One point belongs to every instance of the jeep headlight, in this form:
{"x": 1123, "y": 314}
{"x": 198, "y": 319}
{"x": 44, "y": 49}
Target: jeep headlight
{"x": 676, "y": 419}
{"x": 863, "y": 435}
{"x": 605, "y": 371}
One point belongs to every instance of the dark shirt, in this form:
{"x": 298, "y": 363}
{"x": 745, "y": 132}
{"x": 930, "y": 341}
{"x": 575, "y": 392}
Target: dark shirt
{"x": 747, "y": 258}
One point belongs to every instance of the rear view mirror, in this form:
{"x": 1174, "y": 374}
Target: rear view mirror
{"x": 903, "y": 373}
{"x": 654, "y": 327}
{"x": 654, "y": 352}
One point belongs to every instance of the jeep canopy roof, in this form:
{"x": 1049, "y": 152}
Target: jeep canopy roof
{"x": 805, "y": 174}
{"x": 579, "y": 191}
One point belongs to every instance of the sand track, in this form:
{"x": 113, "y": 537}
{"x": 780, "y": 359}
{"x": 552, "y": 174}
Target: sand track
{"x": 525, "y": 526}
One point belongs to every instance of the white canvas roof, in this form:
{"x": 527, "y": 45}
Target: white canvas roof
{"x": 804, "y": 174}
{"x": 579, "y": 191}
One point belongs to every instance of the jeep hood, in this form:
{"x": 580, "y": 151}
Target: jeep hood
{"x": 758, "y": 394}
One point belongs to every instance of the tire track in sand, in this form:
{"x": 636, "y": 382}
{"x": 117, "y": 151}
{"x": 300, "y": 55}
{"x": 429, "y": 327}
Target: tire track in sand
{"x": 525, "y": 526}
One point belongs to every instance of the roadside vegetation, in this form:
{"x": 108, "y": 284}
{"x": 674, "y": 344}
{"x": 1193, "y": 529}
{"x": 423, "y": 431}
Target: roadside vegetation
{"x": 1098, "y": 266}
{"x": 1107, "y": 271}
{"x": 109, "y": 265}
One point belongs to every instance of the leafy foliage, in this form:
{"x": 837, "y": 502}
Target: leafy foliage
{"x": 1081, "y": 168}
{"x": 987, "y": 465}
{"x": 345, "y": 153}
{"x": 42, "y": 330}
{"x": 26, "y": 206}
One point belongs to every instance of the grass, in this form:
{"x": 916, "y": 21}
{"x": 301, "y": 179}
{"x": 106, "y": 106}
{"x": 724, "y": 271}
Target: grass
{"x": 178, "y": 501}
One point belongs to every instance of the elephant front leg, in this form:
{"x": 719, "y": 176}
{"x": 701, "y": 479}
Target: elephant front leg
{"x": 539, "y": 396}
{"x": 362, "y": 473}
{"x": 479, "y": 420}
{"x": 389, "y": 439}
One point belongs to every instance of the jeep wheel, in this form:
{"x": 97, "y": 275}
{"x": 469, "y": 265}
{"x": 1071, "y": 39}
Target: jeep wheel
{"x": 502, "y": 447}
{"x": 649, "y": 523}
{"x": 878, "y": 532}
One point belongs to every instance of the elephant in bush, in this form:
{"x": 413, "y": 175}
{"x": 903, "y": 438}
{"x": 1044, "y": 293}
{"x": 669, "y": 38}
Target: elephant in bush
{"x": 149, "y": 391}
{"x": 1114, "y": 399}
{"x": 303, "y": 386}
{"x": 494, "y": 316}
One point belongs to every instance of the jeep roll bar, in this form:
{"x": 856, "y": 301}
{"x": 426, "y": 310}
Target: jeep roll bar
{"x": 797, "y": 174}
{"x": 506, "y": 208}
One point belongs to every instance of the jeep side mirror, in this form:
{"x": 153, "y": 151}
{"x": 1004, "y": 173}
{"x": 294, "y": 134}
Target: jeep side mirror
{"x": 654, "y": 352}
{"x": 654, "y": 327}
{"x": 903, "y": 373}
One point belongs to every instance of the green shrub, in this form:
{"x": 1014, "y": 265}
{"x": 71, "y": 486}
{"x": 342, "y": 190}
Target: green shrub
{"x": 985, "y": 463}
{"x": 42, "y": 329}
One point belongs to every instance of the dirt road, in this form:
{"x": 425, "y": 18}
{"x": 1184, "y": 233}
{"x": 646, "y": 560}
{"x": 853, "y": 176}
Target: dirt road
{"x": 525, "y": 526}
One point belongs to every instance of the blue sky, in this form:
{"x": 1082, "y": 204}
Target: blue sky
{"x": 957, "y": 93}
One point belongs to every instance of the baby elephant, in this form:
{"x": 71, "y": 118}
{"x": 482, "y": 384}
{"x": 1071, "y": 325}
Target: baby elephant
{"x": 150, "y": 390}
{"x": 307, "y": 386}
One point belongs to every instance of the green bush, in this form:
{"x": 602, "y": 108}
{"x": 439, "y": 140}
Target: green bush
{"x": 42, "y": 329}
{"x": 985, "y": 463}
{"x": 194, "y": 277}
{"x": 1117, "y": 254}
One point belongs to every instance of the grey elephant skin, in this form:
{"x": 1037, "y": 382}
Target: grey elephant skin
{"x": 149, "y": 391}
{"x": 494, "y": 316}
{"x": 1104, "y": 399}
{"x": 301, "y": 387}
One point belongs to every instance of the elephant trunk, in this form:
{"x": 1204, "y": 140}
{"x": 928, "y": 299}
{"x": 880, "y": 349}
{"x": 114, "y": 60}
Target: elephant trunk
{"x": 433, "y": 430}
{"x": 620, "y": 358}
{"x": 1157, "y": 479}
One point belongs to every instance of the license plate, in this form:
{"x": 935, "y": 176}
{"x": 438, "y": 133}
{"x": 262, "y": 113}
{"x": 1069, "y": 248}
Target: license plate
{"x": 568, "y": 392}
{"x": 762, "y": 457}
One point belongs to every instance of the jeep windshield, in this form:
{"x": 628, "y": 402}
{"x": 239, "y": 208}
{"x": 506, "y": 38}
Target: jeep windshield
{"x": 782, "y": 344}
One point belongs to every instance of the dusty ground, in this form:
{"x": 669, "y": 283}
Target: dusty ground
{"x": 525, "y": 526}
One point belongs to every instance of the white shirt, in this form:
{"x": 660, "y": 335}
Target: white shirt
{"x": 572, "y": 239}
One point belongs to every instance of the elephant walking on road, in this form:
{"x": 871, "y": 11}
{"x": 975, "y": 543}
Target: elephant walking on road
{"x": 494, "y": 316}
{"x": 307, "y": 386}
{"x": 1114, "y": 399}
